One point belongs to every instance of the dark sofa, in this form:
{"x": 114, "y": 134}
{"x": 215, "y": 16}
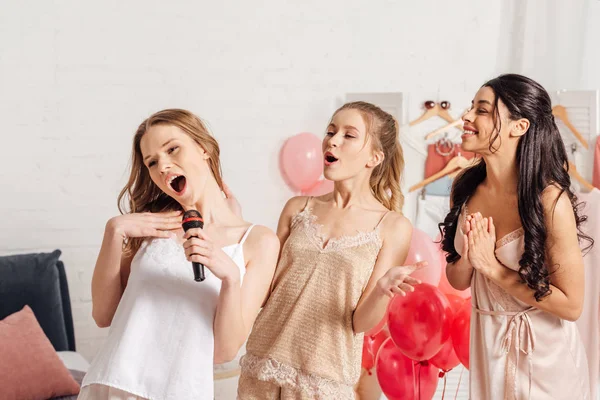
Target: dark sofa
{"x": 39, "y": 281}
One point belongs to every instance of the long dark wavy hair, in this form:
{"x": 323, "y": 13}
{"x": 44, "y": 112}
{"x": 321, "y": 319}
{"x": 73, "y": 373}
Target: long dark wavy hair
{"x": 541, "y": 159}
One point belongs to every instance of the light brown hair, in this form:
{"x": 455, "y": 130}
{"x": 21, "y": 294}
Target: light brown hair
{"x": 384, "y": 129}
{"x": 140, "y": 194}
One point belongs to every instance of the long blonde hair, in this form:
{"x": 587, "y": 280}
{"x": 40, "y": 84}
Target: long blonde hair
{"x": 140, "y": 194}
{"x": 386, "y": 177}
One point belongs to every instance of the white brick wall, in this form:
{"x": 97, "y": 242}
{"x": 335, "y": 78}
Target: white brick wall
{"x": 76, "y": 78}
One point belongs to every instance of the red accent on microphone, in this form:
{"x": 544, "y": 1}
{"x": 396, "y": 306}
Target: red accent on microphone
{"x": 192, "y": 219}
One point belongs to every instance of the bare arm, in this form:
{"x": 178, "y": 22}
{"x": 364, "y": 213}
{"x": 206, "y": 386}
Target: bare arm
{"x": 459, "y": 273}
{"x": 563, "y": 258}
{"x": 112, "y": 266}
{"x": 238, "y": 305}
{"x": 387, "y": 279}
{"x": 110, "y": 276}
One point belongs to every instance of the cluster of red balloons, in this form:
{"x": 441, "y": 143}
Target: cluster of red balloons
{"x": 301, "y": 164}
{"x": 423, "y": 333}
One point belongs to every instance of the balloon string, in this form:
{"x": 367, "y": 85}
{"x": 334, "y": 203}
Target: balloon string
{"x": 459, "y": 379}
{"x": 444, "y": 390}
{"x": 420, "y": 367}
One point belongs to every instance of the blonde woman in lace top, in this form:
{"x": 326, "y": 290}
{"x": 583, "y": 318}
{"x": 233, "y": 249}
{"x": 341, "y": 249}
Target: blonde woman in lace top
{"x": 340, "y": 263}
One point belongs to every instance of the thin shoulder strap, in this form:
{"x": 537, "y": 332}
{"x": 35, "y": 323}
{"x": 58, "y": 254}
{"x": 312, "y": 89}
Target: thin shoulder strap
{"x": 382, "y": 218}
{"x": 246, "y": 234}
{"x": 464, "y": 205}
{"x": 307, "y": 201}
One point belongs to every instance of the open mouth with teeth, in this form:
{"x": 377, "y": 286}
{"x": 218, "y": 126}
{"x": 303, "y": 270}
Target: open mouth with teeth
{"x": 330, "y": 159}
{"x": 469, "y": 132}
{"x": 177, "y": 183}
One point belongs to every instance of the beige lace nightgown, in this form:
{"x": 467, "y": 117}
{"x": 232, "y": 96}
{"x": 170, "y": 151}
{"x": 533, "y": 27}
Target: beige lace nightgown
{"x": 302, "y": 345}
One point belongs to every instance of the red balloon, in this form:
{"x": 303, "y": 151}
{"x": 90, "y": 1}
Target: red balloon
{"x": 420, "y": 322}
{"x": 422, "y": 248}
{"x": 322, "y": 187}
{"x": 401, "y": 378}
{"x": 301, "y": 161}
{"x": 446, "y": 358}
{"x": 371, "y": 345}
{"x": 427, "y": 377}
{"x": 461, "y": 333}
{"x": 444, "y": 285}
{"x": 395, "y": 373}
{"x": 455, "y": 302}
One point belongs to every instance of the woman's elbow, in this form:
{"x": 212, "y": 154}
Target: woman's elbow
{"x": 226, "y": 352}
{"x": 102, "y": 317}
{"x": 102, "y": 321}
{"x": 358, "y": 328}
{"x": 573, "y": 313}
{"x": 458, "y": 283}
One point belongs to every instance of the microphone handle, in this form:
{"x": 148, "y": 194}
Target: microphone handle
{"x": 198, "y": 272}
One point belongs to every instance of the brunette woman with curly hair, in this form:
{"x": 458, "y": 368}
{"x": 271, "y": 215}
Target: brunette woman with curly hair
{"x": 513, "y": 235}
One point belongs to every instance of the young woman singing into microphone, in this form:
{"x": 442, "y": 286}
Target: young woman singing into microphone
{"x": 166, "y": 330}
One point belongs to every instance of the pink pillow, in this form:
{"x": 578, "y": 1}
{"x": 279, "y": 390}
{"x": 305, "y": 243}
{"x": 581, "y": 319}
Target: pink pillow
{"x": 30, "y": 369}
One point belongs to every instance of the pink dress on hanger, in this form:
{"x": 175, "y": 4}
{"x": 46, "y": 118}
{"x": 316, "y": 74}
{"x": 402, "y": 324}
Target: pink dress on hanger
{"x": 519, "y": 352}
{"x": 588, "y": 323}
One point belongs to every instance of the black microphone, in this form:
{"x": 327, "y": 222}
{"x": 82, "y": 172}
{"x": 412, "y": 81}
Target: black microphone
{"x": 193, "y": 219}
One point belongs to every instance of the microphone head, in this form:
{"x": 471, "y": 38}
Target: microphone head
{"x": 192, "y": 219}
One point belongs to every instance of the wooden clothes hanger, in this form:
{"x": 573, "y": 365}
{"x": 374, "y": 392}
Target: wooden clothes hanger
{"x": 454, "y": 174}
{"x": 582, "y": 181}
{"x": 435, "y": 111}
{"x": 454, "y": 124}
{"x": 456, "y": 163}
{"x": 561, "y": 112}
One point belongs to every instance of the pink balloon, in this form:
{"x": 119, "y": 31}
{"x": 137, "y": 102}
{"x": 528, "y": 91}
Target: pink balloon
{"x": 422, "y": 248}
{"x": 301, "y": 161}
{"x": 322, "y": 187}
